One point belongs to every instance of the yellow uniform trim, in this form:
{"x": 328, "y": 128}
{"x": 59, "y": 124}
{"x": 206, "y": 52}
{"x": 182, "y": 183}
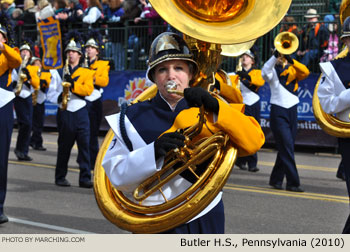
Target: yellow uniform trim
{"x": 244, "y": 131}
{"x": 83, "y": 85}
{"x": 229, "y": 91}
{"x": 46, "y": 76}
{"x": 33, "y": 72}
{"x": 297, "y": 72}
{"x": 256, "y": 78}
{"x": 101, "y": 69}
{"x": 9, "y": 59}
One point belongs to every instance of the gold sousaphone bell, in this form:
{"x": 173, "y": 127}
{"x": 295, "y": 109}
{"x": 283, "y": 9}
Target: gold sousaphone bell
{"x": 219, "y": 22}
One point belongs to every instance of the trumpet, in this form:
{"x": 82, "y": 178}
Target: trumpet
{"x": 286, "y": 43}
{"x": 36, "y": 91}
{"x": 21, "y": 76}
{"x": 66, "y": 86}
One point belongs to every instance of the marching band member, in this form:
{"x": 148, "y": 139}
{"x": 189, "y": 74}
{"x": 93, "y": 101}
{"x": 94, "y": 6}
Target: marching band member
{"x": 36, "y": 140}
{"x": 23, "y": 102}
{"x": 73, "y": 122}
{"x": 250, "y": 82}
{"x": 9, "y": 60}
{"x": 333, "y": 93}
{"x": 148, "y": 132}
{"x": 283, "y": 73}
{"x": 93, "y": 47}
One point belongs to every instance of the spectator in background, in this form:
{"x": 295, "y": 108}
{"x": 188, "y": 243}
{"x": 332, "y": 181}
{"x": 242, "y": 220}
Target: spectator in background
{"x": 314, "y": 39}
{"x": 131, "y": 11}
{"x": 61, "y": 13}
{"x": 8, "y": 6}
{"x": 16, "y": 18}
{"x": 60, "y": 7}
{"x": 333, "y": 40}
{"x": 28, "y": 18}
{"x": 147, "y": 12}
{"x": 113, "y": 14}
{"x": 83, "y": 4}
{"x": 45, "y": 10}
{"x": 93, "y": 13}
{"x": 148, "y": 17}
{"x": 75, "y": 14}
{"x": 289, "y": 25}
{"x": 104, "y": 4}
{"x": 16, "y": 13}
{"x": 333, "y": 7}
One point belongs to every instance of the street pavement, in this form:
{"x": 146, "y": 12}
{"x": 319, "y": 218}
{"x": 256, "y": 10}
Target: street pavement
{"x": 35, "y": 205}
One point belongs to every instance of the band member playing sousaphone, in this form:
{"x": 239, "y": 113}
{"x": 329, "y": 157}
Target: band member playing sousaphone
{"x": 36, "y": 140}
{"x": 9, "y": 60}
{"x": 26, "y": 81}
{"x": 333, "y": 94}
{"x": 283, "y": 74}
{"x": 146, "y": 131}
{"x": 93, "y": 51}
{"x": 73, "y": 122}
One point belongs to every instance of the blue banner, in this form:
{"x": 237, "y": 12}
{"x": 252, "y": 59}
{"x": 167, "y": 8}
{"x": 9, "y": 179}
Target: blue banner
{"x": 51, "y": 43}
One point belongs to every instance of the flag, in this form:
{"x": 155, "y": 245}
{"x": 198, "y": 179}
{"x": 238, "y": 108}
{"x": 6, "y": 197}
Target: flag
{"x": 51, "y": 43}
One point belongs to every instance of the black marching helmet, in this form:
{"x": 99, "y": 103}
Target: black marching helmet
{"x": 346, "y": 28}
{"x": 169, "y": 46}
{"x": 74, "y": 42}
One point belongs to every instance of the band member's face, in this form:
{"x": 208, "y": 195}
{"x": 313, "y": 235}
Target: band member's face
{"x": 247, "y": 60}
{"x": 37, "y": 63}
{"x": 74, "y": 57}
{"x": 173, "y": 70}
{"x": 25, "y": 53}
{"x": 2, "y": 38}
{"x": 281, "y": 60}
{"x": 91, "y": 52}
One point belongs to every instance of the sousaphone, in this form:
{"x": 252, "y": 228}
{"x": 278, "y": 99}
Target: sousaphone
{"x": 207, "y": 25}
{"x": 328, "y": 122}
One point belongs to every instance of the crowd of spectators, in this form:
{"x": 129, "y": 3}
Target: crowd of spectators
{"x": 318, "y": 37}
{"x": 109, "y": 16}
